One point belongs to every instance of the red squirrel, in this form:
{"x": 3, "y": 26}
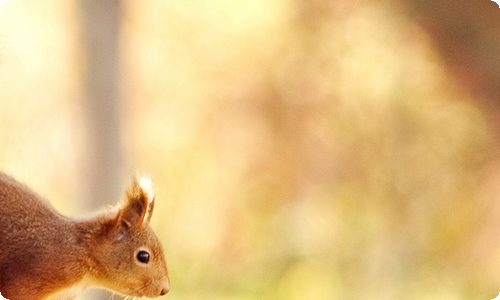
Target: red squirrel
{"x": 47, "y": 256}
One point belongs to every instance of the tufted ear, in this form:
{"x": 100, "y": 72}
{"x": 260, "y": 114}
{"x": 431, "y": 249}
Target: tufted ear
{"x": 137, "y": 208}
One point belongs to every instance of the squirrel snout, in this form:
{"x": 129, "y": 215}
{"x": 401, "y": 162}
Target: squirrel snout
{"x": 166, "y": 288}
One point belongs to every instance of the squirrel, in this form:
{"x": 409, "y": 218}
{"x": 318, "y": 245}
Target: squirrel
{"x": 47, "y": 256}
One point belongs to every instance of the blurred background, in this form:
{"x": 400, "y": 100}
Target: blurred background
{"x": 300, "y": 149}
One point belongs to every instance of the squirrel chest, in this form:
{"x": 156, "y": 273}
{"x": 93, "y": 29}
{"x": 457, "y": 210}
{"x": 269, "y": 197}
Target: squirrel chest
{"x": 70, "y": 292}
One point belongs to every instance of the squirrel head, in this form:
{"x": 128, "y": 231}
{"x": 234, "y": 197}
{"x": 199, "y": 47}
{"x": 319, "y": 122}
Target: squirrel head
{"x": 127, "y": 257}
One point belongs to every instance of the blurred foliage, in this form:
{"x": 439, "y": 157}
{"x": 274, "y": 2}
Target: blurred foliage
{"x": 301, "y": 150}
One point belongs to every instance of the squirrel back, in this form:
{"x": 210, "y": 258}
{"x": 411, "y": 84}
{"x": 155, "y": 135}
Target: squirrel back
{"x": 47, "y": 256}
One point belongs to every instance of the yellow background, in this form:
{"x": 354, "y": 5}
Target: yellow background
{"x": 297, "y": 153}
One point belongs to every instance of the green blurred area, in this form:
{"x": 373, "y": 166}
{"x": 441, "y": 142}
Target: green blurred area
{"x": 298, "y": 151}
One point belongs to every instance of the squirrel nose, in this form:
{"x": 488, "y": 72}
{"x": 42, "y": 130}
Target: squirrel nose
{"x": 166, "y": 288}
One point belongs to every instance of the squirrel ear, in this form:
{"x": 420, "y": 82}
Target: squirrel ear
{"x": 137, "y": 208}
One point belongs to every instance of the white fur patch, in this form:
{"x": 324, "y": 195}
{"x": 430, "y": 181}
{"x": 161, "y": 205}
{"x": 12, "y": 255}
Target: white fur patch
{"x": 70, "y": 292}
{"x": 146, "y": 185}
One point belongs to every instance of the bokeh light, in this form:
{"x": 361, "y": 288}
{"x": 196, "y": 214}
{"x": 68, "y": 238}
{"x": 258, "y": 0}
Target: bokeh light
{"x": 300, "y": 150}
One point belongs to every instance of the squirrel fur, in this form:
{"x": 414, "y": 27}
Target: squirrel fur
{"x": 47, "y": 256}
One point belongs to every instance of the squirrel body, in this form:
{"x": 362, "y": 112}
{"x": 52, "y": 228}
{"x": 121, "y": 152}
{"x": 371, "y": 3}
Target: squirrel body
{"x": 47, "y": 256}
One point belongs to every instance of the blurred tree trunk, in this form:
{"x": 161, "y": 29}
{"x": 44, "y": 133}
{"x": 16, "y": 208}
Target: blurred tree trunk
{"x": 104, "y": 176}
{"x": 467, "y": 34}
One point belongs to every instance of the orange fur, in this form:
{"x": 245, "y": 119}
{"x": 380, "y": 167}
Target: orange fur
{"x": 46, "y": 256}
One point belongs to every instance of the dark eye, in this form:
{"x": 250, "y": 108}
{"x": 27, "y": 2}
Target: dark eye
{"x": 143, "y": 257}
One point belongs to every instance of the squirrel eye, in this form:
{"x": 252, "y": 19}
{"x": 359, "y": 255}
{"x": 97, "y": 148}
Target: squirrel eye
{"x": 143, "y": 257}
